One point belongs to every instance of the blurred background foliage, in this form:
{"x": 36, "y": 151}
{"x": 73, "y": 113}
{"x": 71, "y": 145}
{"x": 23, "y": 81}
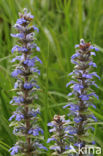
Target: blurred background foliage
{"x": 62, "y": 23}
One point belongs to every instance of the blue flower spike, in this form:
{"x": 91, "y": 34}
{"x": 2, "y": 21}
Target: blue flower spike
{"x": 82, "y": 94}
{"x": 25, "y": 118}
{"x": 59, "y": 135}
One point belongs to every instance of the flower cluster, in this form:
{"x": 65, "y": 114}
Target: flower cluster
{"x": 82, "y": 93}
{"x": 25, "y": 118}
{"x": 60, "y": 135}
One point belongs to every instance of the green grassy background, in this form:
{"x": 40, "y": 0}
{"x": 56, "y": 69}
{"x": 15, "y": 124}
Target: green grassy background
{"x": 62, "y": 23}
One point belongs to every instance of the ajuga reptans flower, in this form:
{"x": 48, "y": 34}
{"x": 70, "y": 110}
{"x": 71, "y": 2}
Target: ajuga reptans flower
{"x": 25, "y": 117}
{"x": 82, "y": 94}
{"x": 60, "y": 136}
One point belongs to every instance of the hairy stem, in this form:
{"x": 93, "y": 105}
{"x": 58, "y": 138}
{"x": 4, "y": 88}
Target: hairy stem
{"x": 28, "y": 140}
